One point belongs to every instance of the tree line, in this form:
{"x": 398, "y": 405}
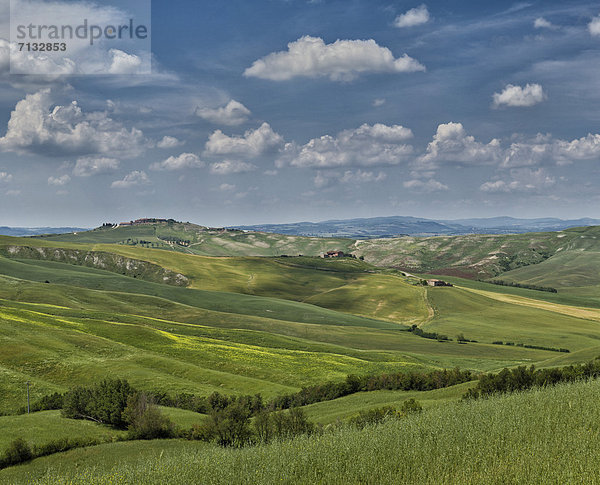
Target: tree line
{"x": 522, "y": 285}
{"x": 523, "y": 378}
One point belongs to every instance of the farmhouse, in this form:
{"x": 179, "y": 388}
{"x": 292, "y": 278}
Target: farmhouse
{"x": 334, "y": 254}
{"x": 438, "y": 283}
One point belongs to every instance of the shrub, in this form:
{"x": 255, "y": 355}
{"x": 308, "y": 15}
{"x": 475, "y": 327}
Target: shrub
{"x": 17, "y": 452}
{"x": 145, "y": 420}
{"x": 103, "y": 403}
{"x": 411, "y": 406}
{"x": 63, "y": 444}
{"x": 374, "y": 416}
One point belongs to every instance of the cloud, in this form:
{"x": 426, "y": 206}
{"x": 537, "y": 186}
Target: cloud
{"x": 511, "y": 95}
{"x": 594, "y": 26}
{"x": 522, "y": 180}
{"x": 49, "y": 68}
{"x": 415, "y": 16}
{"x": 367, "y": 145}
{"x": 323, "y": 179}
{"x": 360, "y": 176}
{"x": 88, "y": 166}
{"x": 66, "y": 130}
{"x": 81, "y": 57}
{"x": 545, "y": 149}
{"x": 59, "y": 181}
{"x": 232, "y": 114}
{"x": 226, "y": 187}
{"x": 430, "y": 185}
{"x": 542, "y": 23}
{"x": 585, "y": 148}
{"x": 12, "y": 193}
{"x": 183, "y": 161}
{"x": 252, "y": 144}
{"x": 132, "y": 179}
{"x": 452, "y": 144}
{"x": 124, "y": 63}
{"x": 227, "y": 167}
{"x": 5, "y": 177}
{"x": 342, "y": 60}
{"x": 378, "y": 102}
{"x": 169, "y": 142}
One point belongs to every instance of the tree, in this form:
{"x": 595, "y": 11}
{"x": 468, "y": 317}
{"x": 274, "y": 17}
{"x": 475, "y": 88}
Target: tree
{"x": 145, "y": 421}
{"x": 17, "y": 452}
{"x": 411, "y": 406}
{"x": 103, "y": 403}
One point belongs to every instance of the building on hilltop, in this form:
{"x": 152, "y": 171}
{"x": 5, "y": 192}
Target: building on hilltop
{"x": 334, "y": 254}
{"x": 434, "y": 282}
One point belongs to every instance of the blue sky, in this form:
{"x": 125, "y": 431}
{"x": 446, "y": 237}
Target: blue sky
{"x": 280, "y": 111}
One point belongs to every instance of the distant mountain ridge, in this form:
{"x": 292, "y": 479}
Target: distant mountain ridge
{"x": 36, "y": 231}
{"x": 382, "y": 227}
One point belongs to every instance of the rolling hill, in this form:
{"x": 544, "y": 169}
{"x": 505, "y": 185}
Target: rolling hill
{"x": 378, "y": 227}
{"x": 139, "y": 302}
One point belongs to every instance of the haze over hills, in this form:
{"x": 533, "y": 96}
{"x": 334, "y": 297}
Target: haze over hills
{"x": 35, "y": 231}
{"x": 375, "y": 227}
{"x": 378, "y": 227}
{"x": 474, "y": 256}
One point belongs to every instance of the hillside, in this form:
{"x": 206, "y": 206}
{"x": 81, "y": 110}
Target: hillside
{"x": 540, "y": 436}
{"x": 77, "y": 308}
{"x": 269, "y": 325}
{"x": 193, "y": 239}
{"x": 378, "y": 227}
{"x": 470, "y": 256}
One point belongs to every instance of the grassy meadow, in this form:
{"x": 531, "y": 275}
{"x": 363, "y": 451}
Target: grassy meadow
{"x": 547, "y": 435}
{"x": 250, "y": 321}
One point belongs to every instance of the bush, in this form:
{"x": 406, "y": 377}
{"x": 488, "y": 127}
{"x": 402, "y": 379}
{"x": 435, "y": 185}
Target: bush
{"x": 145, "y": 420}
{"x": 523, "y": 378}
{"x": 411, "y": 406}
{"x": 103, "y": 403}
{"x": 46, "y": 403}
{"x": 17, "y": 452}
{"x": 229, "y": 426}
{"x": 374, "y": 416}
{"x": 63, "y": 444}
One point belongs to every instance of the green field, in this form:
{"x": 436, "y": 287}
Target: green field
{"x": 75, "y": 309}
{"x": 542, "y": 436}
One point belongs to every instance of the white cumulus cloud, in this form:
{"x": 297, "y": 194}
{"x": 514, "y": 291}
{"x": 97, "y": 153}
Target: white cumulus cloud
{"x": 227, "y": 167}
{"x": 367, "y": 145}
{"x": 512, "y": 95}
{"x": 5, "y": 177}
{"x": 169, "y": 142}
{"x": 451, "y": 143}
{"x": 430, "y": 185}
{"x": 521, "y": 180}
{"x": 88, "y": 166}
{"x": 124, "y": 63}
{"x": 37, "y": 127}
{"x": 343, "y": 60}
{"x": 594, "y": 26}
{"x": 232, "y": 114}
{"x": 415, "y": 16}
{"x": 542, "y": 23}
{"x": 59, "y": 181}
{"x": 543, "y": 149}
{"x": 132, "y": 179}
{"x": 252, "y": 144}
{"x": 180, "y": 162}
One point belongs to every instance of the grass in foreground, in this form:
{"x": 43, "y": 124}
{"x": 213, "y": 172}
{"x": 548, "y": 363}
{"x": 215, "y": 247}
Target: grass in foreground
{"x": 548, "y": 435}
